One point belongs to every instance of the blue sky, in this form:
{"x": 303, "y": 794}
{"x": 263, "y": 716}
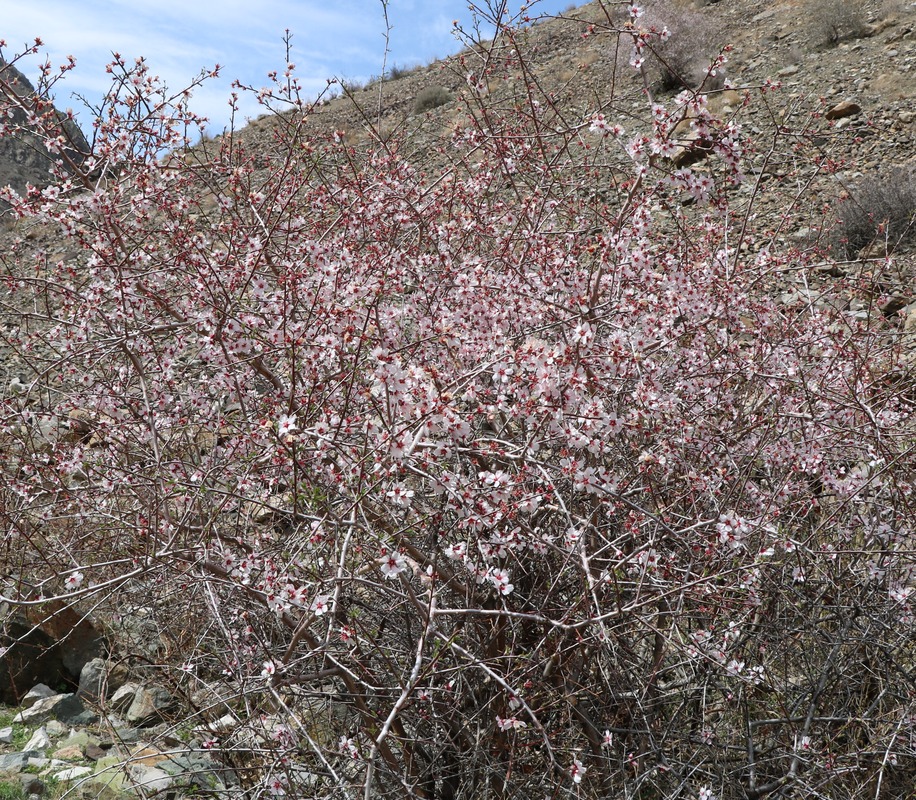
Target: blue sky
{"x": 178, "y": 38}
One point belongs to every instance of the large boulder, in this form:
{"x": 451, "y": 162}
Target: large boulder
{"x": 50, "y": 644}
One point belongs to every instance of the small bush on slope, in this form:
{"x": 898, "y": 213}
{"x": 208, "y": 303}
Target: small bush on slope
{"x": 879, "y": 210}
{"x": 506, "y": 481}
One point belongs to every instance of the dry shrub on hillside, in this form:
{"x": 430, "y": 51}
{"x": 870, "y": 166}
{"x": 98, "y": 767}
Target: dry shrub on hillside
{"x": 682, "y": 59}
{"x": 829, "y": 22}
{"x": 880, "y": 210}
{"x": 431, "y": 97}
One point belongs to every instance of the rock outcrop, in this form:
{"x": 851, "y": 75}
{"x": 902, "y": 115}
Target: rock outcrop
{"x": 48, "y": 644}
{"x": 24, "y": 159}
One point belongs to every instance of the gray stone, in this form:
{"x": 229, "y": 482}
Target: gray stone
{"x": 53, "y": 641}
{"x": 55, "y": 728}
{"x": 94, "y": 752}
{"x": 79, "y": 739}
{"x": 124, "y": 696}
{"x": 62, "y": 707}
{"x": 150, "y": 780}
{"x": 16, "y": 762}
{"x": 127, "y": 735}
{"x": 6, "y": 735}
{"x": 72, "y": 774}
{"x": 32, "y": 784}
{"x": 36, "y": 693}
{"x": 39, "y": 741}
{"x": 149, "y": 705}
{"x": 93, "y": 677}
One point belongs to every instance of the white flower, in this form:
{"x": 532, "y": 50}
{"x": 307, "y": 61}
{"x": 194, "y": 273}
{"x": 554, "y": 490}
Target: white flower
{"x": 572, "y": 537}
{"x": 286, "y": 425}
{"x": 348, "y": 747}
{"x": 705, "y": 793}
{"x": 599, "y": 125}
{"x": 320, "y": 604}
{"x": 510, "y": 723}
{"x": 270, "y": 668}
{"x": 500, "y": 579}
{"x": 400, "y": 495}
{"x": 577, "y": 771}
{"x": 456, "y": 551}
{"x": 74, "y": 580}
{"x": 582, "y": 334}
{"x": 392, "y": 564}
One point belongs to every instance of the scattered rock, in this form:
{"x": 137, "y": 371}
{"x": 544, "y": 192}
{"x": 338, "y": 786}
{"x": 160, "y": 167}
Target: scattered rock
{"x": 6, "y": 735}
{"x": 845, "y": 109}
{"x": 906, "y": 117}
{"x": 39, "y": 741}
{"x": 70, "y": 753}
{"x": 36, "y": 693}
{"x": 92, "y": 680}
{"x": 910, "y": 324}
{"x": 94, "y": 752}
{"x": 63, "y": 707}
{"x": 16, "y": 762}
{"x": 53, "y": 642}
{"x": 72, "y": 774}
{"x": 894, "y": 305}
{"x": 32, "y": 784}
{"x": 149, "y": 705}
{"x": 150, "y": 780}
{"x": 121, "y": 700}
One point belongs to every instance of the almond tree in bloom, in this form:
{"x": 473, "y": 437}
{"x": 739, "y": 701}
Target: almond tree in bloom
{"x": 514, "y": 460}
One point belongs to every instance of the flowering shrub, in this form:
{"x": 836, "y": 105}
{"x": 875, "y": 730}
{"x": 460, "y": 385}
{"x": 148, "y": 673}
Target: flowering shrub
{"x": 538, "y": 488}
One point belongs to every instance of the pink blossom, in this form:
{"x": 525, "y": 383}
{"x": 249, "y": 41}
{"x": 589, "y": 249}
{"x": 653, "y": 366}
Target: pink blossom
{"x": 392, "y": 564}
{"x": 347, "y": 746}
{"x": 286, "y": 425}
{"x": 321, "y": 604}
{"x": 500, "y": 579}
{"x": 577, "y": 771}
{"x": 74, "y": 580}
{"x": 400, "y": 495}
